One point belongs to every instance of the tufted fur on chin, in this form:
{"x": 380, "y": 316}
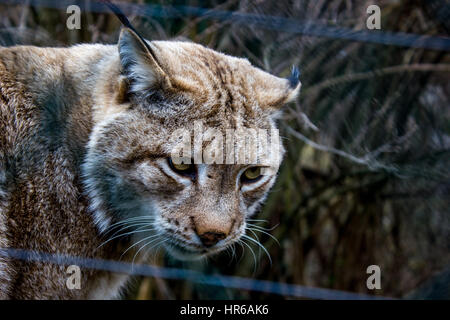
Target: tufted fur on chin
{"x": 84, "y": 145}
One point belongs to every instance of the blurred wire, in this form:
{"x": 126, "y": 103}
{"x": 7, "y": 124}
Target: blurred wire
{"x": 254, "y": 20}
{"x": 289, "y": 290}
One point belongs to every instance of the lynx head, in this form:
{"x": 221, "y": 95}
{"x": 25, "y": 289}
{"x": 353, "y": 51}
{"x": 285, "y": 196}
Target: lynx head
{"x": 136, "y": 186}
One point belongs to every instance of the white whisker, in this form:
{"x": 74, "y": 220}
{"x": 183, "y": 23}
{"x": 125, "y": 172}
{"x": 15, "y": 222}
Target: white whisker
{"x": 259, "y": 249}
{"x": 253, "y": 253}
{"x": 262, "y": 228}
{"x": 125, "y": 234}
{"x": 133, "y": 219}
{"x": 142, "y": 247}
{"x": 242, "y": 251}
{"x": 139, "y": 225}
{"x": 275, "y": 239}
{"x": 135, "y": 244}
{"x": 259, "y": 244}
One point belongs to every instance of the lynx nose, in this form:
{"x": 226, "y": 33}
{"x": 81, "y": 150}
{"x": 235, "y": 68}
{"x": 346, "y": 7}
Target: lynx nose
{"x": 211, "y": 238}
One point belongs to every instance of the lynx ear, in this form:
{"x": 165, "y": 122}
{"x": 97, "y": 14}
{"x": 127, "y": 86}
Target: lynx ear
{"x": 294, "y": 84}
{"x": 274, "y": 92}
{"x": 139, "y": 63}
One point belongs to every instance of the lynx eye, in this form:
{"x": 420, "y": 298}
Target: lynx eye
{"x": 182, "y": 168}
{"x": 251, "y": 175}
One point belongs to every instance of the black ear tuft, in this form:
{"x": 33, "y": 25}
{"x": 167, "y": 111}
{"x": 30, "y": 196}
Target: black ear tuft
{"x": 121, "y": 16}
{"x": 116, "y": 10}
{"x": 294, "y": 78}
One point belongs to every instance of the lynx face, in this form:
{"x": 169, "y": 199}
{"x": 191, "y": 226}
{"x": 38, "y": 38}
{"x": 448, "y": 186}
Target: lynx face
{"x": 136, "y": 188}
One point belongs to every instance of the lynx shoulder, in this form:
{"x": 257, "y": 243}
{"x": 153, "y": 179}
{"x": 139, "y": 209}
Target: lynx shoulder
{"x": 85, "y": 148}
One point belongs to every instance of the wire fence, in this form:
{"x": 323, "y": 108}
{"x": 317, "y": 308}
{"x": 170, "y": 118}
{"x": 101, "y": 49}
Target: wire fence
{"x": 274, "y": 23}
{"x": 289, "y": 290}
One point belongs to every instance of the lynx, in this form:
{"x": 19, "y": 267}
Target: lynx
{"x": 86, "y": 164}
